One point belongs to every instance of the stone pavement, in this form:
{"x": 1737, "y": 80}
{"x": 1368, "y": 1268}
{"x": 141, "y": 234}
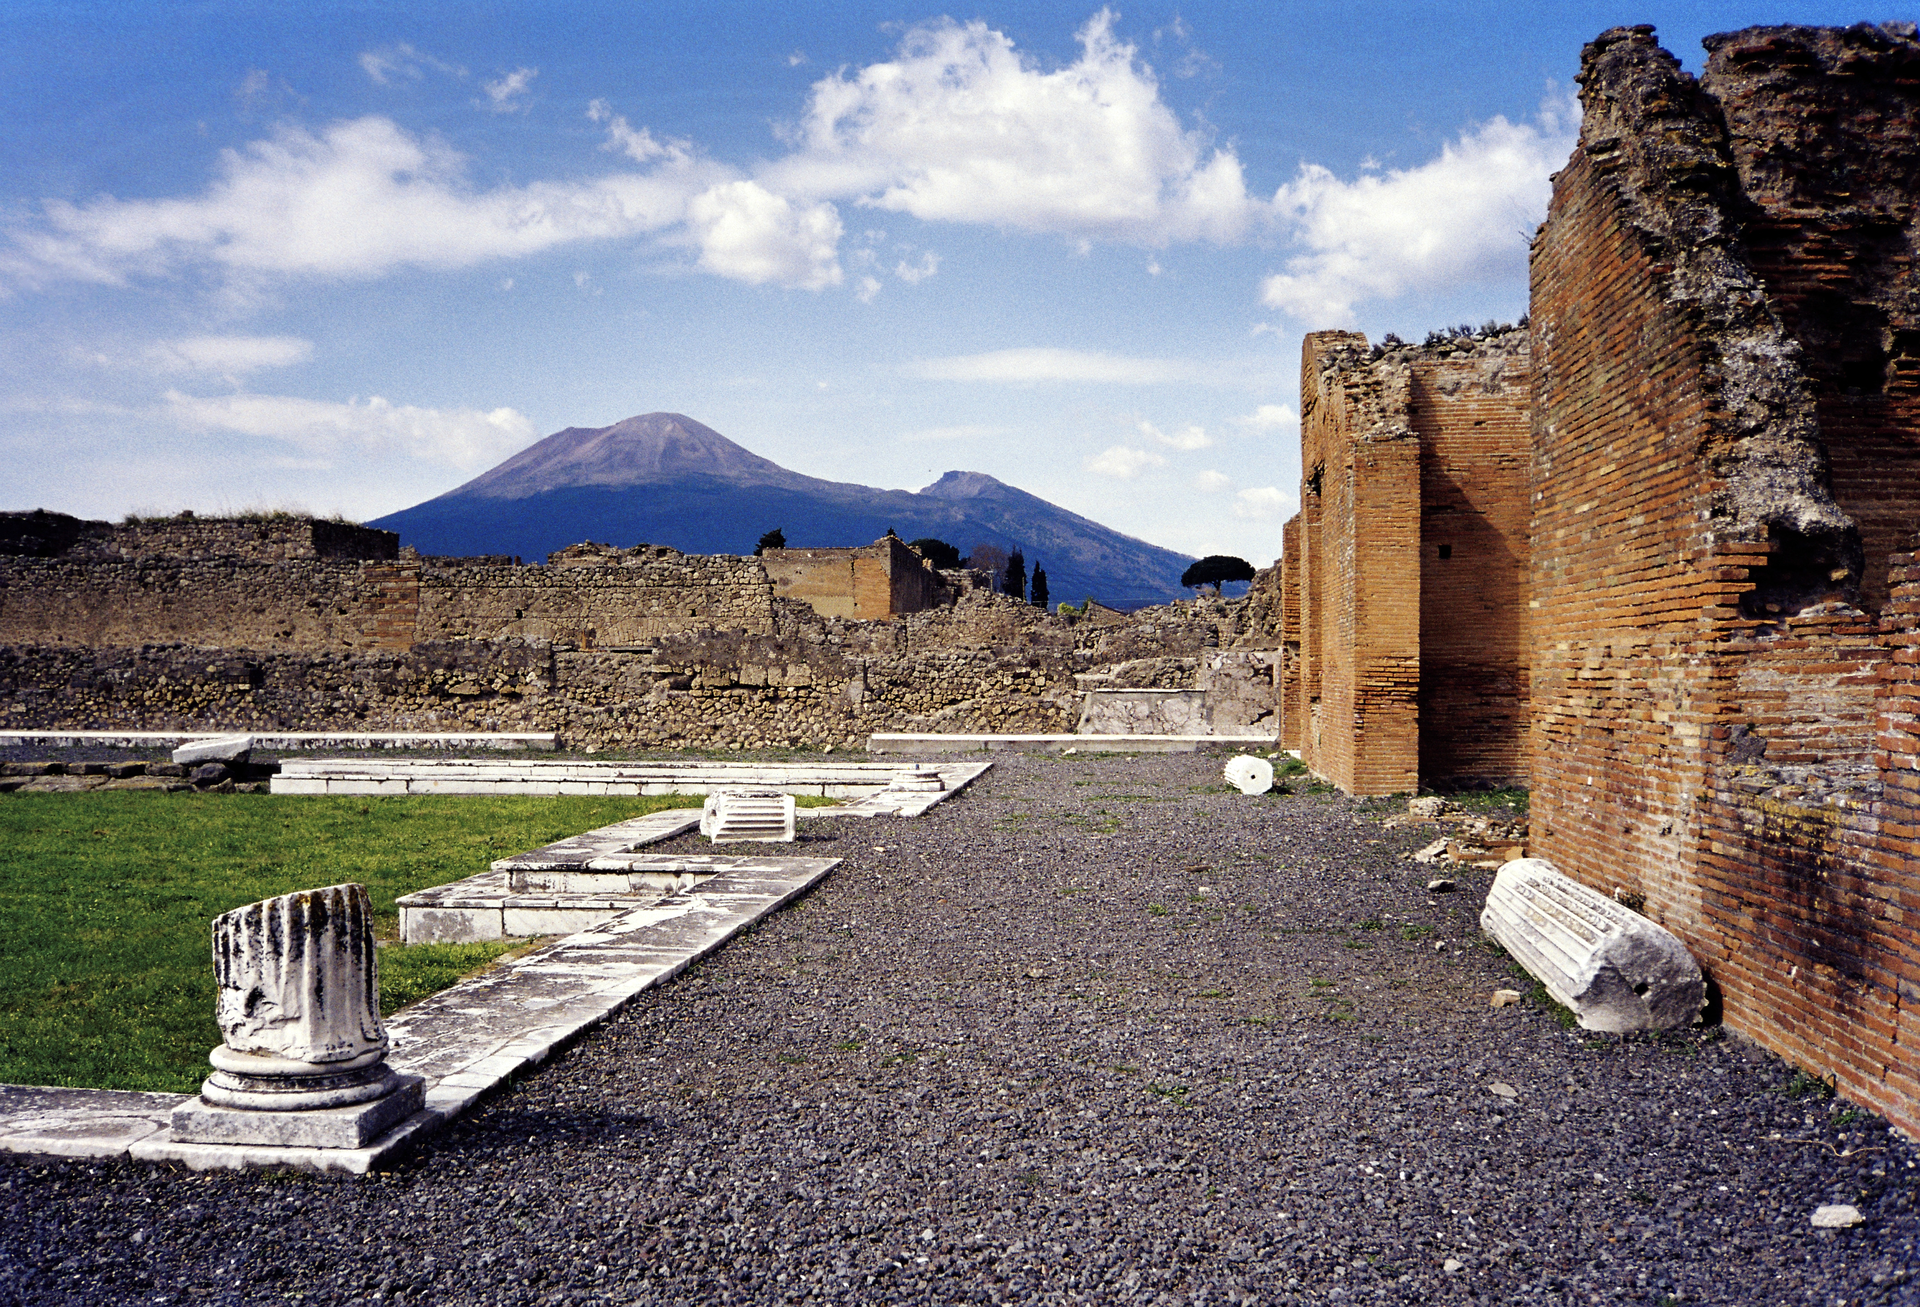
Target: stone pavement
{"x": 463, "y": 1041}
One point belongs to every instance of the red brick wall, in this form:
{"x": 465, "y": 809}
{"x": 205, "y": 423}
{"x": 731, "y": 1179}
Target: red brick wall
{"x": 1471, "y": 406}
{"x": 1716, "y": 723}
{"x": 1291, "y": 536}
{"x": 1361, "y": 462}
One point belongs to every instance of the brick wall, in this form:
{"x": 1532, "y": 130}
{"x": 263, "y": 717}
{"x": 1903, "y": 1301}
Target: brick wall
{"x": 1362, "y": 572}
{"x": 874, "y": 581}
{"x": 1471, "y": 404}
{"x": 1404, "y": 656}
{"x": 1720, "y": 719}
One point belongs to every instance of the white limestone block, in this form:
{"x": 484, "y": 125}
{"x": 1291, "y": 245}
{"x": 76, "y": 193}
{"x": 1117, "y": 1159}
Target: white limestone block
{"x": 760, "y": 815}
{"x": 1250, "y": 775}
{"x": 222, "y": 748}
{"x": 1616, "y": 970}
{"x": 921, "y": 776}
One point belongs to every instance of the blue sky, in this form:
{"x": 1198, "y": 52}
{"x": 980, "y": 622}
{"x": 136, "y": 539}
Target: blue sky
{"x": 343, "y": 257}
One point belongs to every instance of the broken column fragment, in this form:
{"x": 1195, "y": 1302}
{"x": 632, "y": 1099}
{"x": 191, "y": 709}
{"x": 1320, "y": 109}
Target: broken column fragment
{"x": 1616, "y": 970}
{"x": 1250, "y": 775}
{"x": 303, "y": 1062}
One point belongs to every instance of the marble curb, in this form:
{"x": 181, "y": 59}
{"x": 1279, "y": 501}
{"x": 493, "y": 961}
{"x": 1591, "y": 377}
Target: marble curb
{"x": 503, "y": 740}
{"x": 462, "y": 1042}
{"x": 916, "y": 745}
{"x": 867, "y": 783}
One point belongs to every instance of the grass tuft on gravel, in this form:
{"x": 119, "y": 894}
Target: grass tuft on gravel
{"x": 107, "y": 901}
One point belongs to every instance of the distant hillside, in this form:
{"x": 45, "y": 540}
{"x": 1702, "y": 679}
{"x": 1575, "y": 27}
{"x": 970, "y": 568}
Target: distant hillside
{"x": 665, "y": 479}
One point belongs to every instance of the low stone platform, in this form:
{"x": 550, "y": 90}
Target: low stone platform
{"x": 570, "y": 885}
{"x": 933, "y": 745}
{"x": 281, "y": 740}
{"x": 461, "y": 1042}
{"x": 872, "y": 785}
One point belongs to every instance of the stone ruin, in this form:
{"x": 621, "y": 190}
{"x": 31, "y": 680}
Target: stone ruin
{"x": 1654, "y": 557}
{"x": 302, "y": 1061}
{"x": 257, "y": 627}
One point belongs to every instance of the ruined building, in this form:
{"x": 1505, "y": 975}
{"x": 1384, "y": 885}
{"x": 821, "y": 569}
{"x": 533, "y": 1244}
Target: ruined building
{"x": 1405, "y": 572}
{"x": 295, "y": 624}
{"x": 1715, "y": 626}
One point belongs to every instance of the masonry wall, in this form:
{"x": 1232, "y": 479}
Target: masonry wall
{"x": 874, "y": 581}
{"x": 1822, "y": 133}
{"x": 1362, "y": 567}
{"x": 1288, "y": 674}
{"x": 1470, "y": 405}
{"x": 1717, "y": 702}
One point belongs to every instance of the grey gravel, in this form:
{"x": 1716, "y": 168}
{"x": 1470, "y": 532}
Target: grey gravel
{"x": 1099, "y": 1030}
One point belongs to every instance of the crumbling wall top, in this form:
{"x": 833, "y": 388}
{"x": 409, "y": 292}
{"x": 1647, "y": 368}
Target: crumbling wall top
{"x": 1651, "y": 134}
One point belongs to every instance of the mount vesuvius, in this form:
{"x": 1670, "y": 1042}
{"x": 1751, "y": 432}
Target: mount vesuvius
{"x": 665, "y": 479}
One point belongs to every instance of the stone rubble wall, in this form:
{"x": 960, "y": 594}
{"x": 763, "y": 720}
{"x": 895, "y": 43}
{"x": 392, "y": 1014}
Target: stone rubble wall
{"x": 609, "y": 648}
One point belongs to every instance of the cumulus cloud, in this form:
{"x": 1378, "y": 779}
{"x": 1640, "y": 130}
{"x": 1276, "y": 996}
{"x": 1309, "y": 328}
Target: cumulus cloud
{"x": 228, "y": 355}
{"x": 1123, "y": 462}
{"x": 504, "y": 94}
{"x": 1264, "y": 503}
{"x": 960, "y": 127}
{"x": 1212, "y": 482}
{"x": 463, "y": 438}
{"x": 1269, "y": 417}
{"x": 1186, "y": 439}
{"x": 1460, "y": 218}
{"x": 748, "y": 233}
{"x": 1017, "y": 365}
{"x": 359, "y": 199}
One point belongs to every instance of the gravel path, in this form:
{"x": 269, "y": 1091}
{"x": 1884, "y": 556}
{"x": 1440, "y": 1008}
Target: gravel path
{"x": 1096, "y": 1031}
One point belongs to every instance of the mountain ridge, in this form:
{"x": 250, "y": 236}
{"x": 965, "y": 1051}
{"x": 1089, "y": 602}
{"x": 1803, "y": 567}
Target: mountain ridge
{"x": 666, "y": 479}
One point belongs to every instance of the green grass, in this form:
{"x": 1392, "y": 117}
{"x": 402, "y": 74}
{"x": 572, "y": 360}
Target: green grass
{"x": 107, "y": 902}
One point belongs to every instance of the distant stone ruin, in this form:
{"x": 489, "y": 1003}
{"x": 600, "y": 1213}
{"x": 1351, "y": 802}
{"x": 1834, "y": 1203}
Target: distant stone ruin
{"x": 296, "y": 624}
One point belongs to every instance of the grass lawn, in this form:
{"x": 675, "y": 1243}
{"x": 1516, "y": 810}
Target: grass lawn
{"x": 107, "y": 902}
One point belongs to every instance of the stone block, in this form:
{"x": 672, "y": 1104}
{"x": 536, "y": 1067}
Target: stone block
{"x": 765, "y": 816}
{"x": 518, "y": 922}
{"x": 449, "y": 925}
{"x": 356, "y": 1125}
{"x": 224, "y": 748}
{"x": 1616, "y": 970}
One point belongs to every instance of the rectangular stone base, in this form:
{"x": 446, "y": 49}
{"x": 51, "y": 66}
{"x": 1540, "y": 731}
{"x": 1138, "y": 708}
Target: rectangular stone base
{"x": 197, "y": 1121}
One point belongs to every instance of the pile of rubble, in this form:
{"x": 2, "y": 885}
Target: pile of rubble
{"x": 1477, "y": 841}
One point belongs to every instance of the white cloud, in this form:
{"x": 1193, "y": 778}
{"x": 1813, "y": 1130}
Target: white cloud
{"x": 1264, "y": 503}
{"x": 360, "y": 199}
{"x": 960, "y": 127}
{"x": 1056, "y": 365}
{"x": 915, "y": 273}
{"x": 1460, "y": 218}
{"x": 462, "y": 438}
{"x": 1187, "y": 439}
{"x": 748, "y": 233}
{"x": 1123, "y": 462}
{"x": 503, "y": 94}
{"x": 1211, "y": 482}
{"x": 1269, "y": 417}
{"x": 869, "y": 287}
{"x": 402, "y": 60}
{"x": 638, "y": 145}
{"x": 228, "y": 355}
